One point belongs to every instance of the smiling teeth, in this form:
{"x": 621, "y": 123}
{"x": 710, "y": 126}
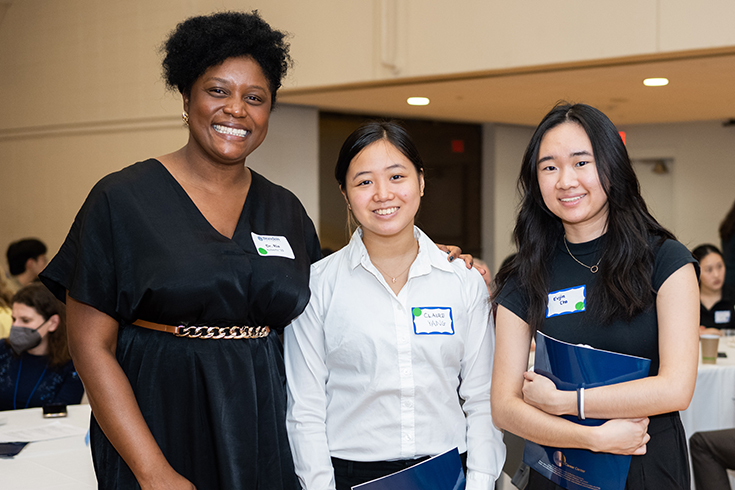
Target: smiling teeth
{"x": 571, "y": 199}
{"x": 385, "y": 211}
{"x": 225, "y": 130}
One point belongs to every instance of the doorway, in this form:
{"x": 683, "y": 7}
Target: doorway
{"x": 450, "y": 208}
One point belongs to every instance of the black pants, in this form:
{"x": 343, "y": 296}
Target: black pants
{"x": 713, "y": 452}
{"x": 350, "y": 473}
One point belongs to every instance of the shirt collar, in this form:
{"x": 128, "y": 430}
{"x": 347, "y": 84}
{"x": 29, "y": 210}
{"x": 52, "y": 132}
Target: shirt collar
{"x": 429, "y": 255}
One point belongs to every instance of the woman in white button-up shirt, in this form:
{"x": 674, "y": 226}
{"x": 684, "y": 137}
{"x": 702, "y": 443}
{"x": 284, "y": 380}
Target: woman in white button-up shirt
{"x": 391, "y": 361}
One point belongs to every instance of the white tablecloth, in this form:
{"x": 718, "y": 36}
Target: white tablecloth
{"x": 713, "y": 403}
{"x": 60, "y": 464}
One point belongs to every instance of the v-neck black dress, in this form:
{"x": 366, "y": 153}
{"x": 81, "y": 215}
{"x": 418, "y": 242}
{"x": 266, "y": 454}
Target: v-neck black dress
{"x": 140, "y": 249}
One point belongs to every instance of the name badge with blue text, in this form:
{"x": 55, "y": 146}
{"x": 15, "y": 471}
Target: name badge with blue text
{"x": 566, "y": 301}
{"x": 432, "y": 320}
{"x": 722, "y": 316}
{"x": 272, "y": 246}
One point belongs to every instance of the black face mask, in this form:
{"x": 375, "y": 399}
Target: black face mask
{"x": 22, "y": 339}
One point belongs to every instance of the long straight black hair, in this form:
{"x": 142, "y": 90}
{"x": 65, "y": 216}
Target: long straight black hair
{"x": 624, "y": 289}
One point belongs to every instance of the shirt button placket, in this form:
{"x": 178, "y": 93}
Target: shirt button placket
{"x": 403, "y": 327}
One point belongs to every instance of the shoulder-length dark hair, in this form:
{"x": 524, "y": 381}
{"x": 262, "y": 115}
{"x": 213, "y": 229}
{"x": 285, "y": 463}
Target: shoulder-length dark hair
{"x": 38, "y": 297}
{"x": 624, "y": 288}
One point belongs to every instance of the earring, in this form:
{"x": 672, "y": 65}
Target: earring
{"x": 185, "y": 117}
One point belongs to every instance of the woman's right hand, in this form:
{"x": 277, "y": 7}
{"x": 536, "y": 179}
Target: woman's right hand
{"x": 93, "y": 342}
{"x": 622, "y": 436}
{"x": 171, "y": 480}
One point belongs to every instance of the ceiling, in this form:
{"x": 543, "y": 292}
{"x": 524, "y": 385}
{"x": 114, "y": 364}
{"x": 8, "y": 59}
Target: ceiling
{"x": 702, "y": 87}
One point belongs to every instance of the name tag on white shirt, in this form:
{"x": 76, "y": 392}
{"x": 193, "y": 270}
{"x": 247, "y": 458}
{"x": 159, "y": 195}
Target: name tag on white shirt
{"x": 722, "y": 316}
{"x": 432, "y": 320}
{"x": 272, "y": 246}
{"x": 566, "y": 301}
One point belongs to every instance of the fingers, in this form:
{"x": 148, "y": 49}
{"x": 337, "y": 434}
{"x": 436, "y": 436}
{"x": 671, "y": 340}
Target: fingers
{"x": 643, "y": 421}
{"x": 468, "y": 259}
{"x": 640, "y": 451}
{"x": 454, "y": 252}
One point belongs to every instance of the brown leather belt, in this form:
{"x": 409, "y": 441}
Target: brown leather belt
{"x": 200, "y": 332}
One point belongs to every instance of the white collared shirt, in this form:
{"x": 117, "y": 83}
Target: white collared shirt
{"x": 374, "y": 377}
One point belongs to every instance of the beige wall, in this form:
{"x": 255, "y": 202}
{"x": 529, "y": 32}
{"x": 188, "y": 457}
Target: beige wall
{"x": 701, "y": 179}
{"x": 88, "y": 60}
{"x": 435, "y": 37}
{"x": 47, "y": 175}
{"x": 703, "y": 173}
{"x": 80, "y": 91}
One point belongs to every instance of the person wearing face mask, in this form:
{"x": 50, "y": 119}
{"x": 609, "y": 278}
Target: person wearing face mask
{"x": 716, "y": 299}
{"x": 35, "y": 365}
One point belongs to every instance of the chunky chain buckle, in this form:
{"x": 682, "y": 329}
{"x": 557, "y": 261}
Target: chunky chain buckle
{"x": 200, "y": 332}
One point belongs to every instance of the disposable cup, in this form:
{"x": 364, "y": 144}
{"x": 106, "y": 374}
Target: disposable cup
{"x": 709, "y": 348}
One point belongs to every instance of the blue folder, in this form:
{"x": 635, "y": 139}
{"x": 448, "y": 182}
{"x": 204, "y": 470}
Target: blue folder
{"x": 442, "y": 472}
{"x": 570, "y": 367}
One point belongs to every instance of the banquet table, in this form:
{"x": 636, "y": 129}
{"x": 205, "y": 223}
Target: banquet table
{"x": 713, "y": 403}
{"x": 58, "y": 464}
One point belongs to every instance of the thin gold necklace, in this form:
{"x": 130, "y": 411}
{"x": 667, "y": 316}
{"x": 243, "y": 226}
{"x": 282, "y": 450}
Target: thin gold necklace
{"x": 593, "y": 269}
{"x": 393, "y": 279}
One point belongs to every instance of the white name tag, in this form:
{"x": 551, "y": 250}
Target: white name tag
{"x": 272, "y": 246}
{"x": 432, "y": 320}
{"x": 566, "y": 301}
{"x": 722, "y": 316}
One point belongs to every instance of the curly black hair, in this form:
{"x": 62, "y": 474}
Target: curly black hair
{"x": 201, "y": 42}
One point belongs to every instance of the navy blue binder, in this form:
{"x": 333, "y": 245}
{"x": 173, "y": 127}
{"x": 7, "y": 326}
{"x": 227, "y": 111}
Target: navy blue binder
{"x": 442, "y": 472}
{"x": 570, "y": 367}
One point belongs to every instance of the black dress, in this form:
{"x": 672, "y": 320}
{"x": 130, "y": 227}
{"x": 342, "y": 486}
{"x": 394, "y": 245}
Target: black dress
{"x": 140, "y": 249}
{"x": 665, "y": 465}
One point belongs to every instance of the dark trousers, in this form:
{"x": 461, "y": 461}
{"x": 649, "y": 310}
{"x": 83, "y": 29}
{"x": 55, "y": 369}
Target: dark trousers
{"x": 350, "y": 473}
{"x": 713, "y": 453}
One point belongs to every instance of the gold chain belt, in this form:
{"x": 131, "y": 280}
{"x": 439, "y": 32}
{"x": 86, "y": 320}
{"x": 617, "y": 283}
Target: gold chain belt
{"x": 198, "y": 332}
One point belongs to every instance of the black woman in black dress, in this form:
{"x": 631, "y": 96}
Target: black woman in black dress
{"x": 192, "y": 238}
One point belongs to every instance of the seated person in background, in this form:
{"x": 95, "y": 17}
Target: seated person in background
{"x": 6, "y": 312}
{"x": 35, "y": 365}
{"x": 716, "y": 299}
{"x": 727, "y": 237}
{"x": 26, "y": 258}
{"x": 713, "y": 453}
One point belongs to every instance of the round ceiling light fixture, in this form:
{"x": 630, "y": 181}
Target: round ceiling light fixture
{"x": 418, "y": 101}
{"x": 655, "y": 82}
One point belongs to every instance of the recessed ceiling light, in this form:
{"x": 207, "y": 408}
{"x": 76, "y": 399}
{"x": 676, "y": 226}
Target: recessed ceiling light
{"x": 418, "y": 101}
{"x": 655, "y": 82}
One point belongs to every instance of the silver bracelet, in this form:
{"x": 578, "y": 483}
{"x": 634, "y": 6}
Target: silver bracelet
{"x": 580, "y": 403}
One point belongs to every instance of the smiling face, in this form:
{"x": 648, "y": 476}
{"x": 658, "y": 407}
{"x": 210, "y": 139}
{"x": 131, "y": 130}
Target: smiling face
{"x": 712, "y": 273}
{"x": 383, "y": 189}
{"x": 569, "y": 182}
{"x": 229, "y": 107}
